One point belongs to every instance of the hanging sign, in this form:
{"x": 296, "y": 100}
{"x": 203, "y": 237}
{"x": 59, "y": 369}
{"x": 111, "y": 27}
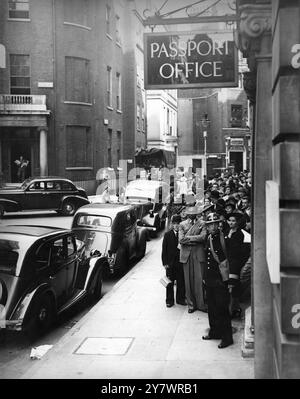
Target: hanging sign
{"x": 190, "y": 59}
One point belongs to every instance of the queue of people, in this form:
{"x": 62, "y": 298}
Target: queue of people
{"x": 211, "y": 240}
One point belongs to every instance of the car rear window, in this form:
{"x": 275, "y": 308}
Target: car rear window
{"x": 92, "y": 221}
{"x": 8, "y": 256}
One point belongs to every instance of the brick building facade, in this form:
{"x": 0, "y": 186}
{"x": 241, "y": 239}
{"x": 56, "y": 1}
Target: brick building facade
{"x": 62, "y": 90}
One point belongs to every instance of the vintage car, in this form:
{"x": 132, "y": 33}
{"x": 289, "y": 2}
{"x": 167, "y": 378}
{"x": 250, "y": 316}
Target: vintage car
{"x": 43, "y": 271}
{"x": 51, "y": 193}
{"x": 153, "y": 196}
{"x": 111, "y": 229}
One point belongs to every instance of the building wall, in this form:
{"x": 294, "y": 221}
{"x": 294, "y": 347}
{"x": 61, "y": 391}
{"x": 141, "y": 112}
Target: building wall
{"x": 193, "y": 105}
{"x": 161, "y": 133}
{"x": 48, "y": 37}
{"x": 286, "y": 173}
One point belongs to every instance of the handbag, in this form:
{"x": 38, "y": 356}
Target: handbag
{"x": 224, "y": 265}
{"x": 165, "y": 281}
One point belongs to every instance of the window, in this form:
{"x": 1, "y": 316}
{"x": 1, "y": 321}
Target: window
{"x": 118, "y": 35}
{"x": 108, "y": 20}
{"x": 19, "y": 74}
{"x": 78, "y": 146}
{"x": 77, "y": 81}
{"x": 236, "y": 115}
{"x": 109, "y": 87}
{"x": 70, "y": 246}
{"x": 119, "y": 91}
{"x": 57, "y": 252}
{"x": 53, "y": 185}
{"x": 76, "y": 12}
{"x": 18, "y": 9}
{"x": 37, "y": 186}
{"x": 65, "y": 186}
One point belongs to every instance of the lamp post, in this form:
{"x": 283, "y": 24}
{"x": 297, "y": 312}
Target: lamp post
{"x": 205, "y": 124}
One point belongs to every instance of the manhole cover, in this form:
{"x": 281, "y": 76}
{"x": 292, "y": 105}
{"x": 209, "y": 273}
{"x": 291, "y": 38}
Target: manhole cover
{"x": 104, "y": 346}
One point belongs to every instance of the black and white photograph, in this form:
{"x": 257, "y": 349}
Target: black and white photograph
{"x": 149, "y": 193}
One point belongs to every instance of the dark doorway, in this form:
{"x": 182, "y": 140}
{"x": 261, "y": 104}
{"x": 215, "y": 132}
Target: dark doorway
{"x": 236, "y": 160}
{"x": 18, "y": 148}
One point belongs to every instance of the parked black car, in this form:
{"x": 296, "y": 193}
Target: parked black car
{"x": 51, "y": 193}
{"x": 43, "y": 271}
{"x": 111, "y": 229}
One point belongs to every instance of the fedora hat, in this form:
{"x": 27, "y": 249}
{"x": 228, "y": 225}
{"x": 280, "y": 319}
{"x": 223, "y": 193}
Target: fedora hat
{"x": 205, "y": 208}
{"x": 193, "y": 210}
{"x": 213, "y": 218}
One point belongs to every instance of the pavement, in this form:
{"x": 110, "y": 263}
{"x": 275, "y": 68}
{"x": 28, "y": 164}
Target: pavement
{"x": 131, "y": 334}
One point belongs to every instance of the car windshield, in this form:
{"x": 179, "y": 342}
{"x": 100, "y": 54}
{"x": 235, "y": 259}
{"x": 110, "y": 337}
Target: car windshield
{"x": 92, "y": 221}
{"x": 25, "y": 183}
{"x": 8, "y": 256}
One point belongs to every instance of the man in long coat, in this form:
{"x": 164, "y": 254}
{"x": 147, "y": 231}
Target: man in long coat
{"x": 192, "y": 236}
{"x": 170, "y": 260}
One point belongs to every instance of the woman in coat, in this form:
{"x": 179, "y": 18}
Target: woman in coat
{"x": 234, "y": 239}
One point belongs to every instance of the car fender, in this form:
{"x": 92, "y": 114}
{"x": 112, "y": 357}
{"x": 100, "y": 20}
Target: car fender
{"x": 75, "y": 198}
{"x": 24, "y": 305}
{"x": 9, "y": 205}
{"x": 94, "y": 265}
{"x": 141, "y": 231}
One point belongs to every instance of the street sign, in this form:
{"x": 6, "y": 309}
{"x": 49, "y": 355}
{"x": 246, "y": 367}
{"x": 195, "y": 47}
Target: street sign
{"x": 190, "y": 59}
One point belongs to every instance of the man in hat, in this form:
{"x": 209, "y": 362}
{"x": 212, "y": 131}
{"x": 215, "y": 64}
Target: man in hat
{"x": 170, "y": 260}
{"x": 217, "y": 292}
{"x": 192, "y": 236}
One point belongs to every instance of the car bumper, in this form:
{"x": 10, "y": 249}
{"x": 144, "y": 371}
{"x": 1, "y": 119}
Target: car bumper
{"x": 12, "y": 325}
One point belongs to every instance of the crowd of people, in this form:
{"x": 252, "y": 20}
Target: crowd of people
{"x": 206, "y": 250}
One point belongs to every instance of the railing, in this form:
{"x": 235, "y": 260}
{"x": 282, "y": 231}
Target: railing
{"x": 18, "y": 102}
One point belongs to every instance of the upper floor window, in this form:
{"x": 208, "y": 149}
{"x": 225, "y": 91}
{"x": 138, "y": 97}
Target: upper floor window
{"x": 109, "y": 87}
{"x": 19, "y": 74}
{"x": 18, "y": 9}
{"x": 236, "y": 115}
{"x": 77, "y": 79}
{"x": 108, "y": 19}
{"x": 119, "y": 90}
{"x": 78, "y": 146}
{"x": 118, "y": 33}
{"x": 76, "y": 12}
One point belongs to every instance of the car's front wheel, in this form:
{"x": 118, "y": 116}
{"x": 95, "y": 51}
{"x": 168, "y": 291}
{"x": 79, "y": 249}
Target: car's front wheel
{"x": 40, "y": 317}
{"x": 68, "y": 208}
{"x": 96, "y": 290}
{"x": 122, "y": 261}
